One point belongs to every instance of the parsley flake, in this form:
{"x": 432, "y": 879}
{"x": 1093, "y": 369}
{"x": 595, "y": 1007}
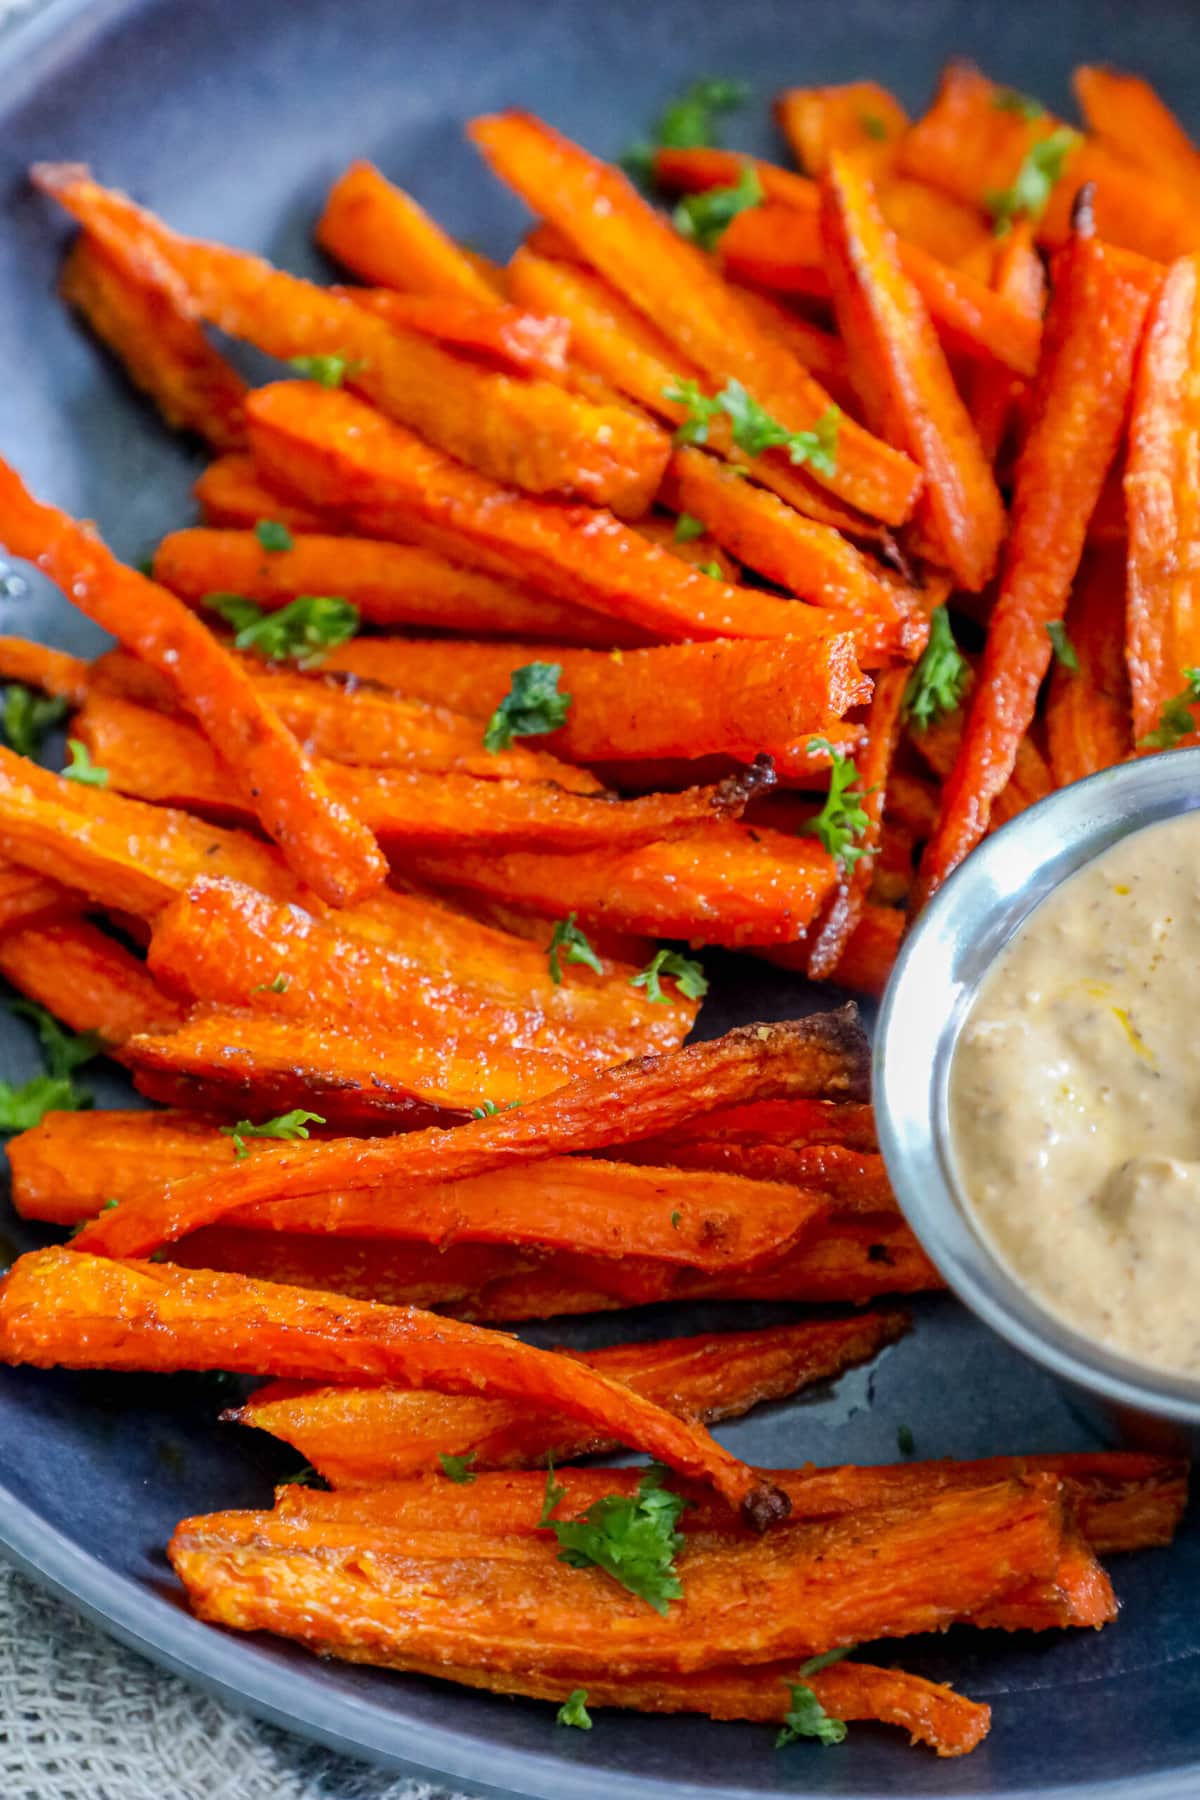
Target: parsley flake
{"x": 23, "y": 1107}
{"x": 687, "y": 973}
{"x": 329, "y": 371}
{"x": 1009, "y": 100}
{"x": 873, "y": 126}
{"x": 705, "y": 217}
{"x": 676, "y": 1217}
{"x": 27, "y": 717}
{"x": 687, "y": 123}
{"x": 274, "y": 536}
{"x": 633, "y": 1538}
{"x": 300, "y": 632}
{"x": 458, "y": 1468}
{"x": 906, "y": 1443}
{"x": 304, "y": 1477}
{"x": 288, "y": 1126}
{"x": 62, "y": 1051}
{"x": 688, "y": 528}
{"x": 1064, "y": 649}
{"x": 1175, "y": 720}
{"x": 489, "y": 1109}
{"x": 713, "y": 570}
{"x": 936, "y": 684}
{"x": 278, "y": 986}
{"x": 573, "y": 1711}
{"x": 1029, "y": 195}
{"x": 81, "y": 768}
{"x": 554, "y": 1492}
{"x": 806, "y": 1717}
{"x": 532, "y": 705}
{"x": 573, "y": 943}
{"x": 843, "y": 820}
{"x": 752, "y": 428}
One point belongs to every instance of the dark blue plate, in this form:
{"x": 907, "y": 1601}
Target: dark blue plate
{"x": 232, "y": 118}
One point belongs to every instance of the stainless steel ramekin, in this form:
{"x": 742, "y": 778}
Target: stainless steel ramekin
{"x": 935, "y": 980}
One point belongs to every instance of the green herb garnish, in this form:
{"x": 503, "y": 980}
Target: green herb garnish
{"x": 288, "y": 1126}
{"x": 1007, "y": 99}
{"x": 688, "y": 975}
{"x": 688, "y": 528}
{"x": 1064, "y": 649}
{"x": 1175, "y": 720}
{"x": 300, "y": 632}
{"x": 305, "y": 1477}
{"x": 458, "y": 1468}
{"x": 532, "y": 705}
{"x": 874, "y": 126}
{"x": 1029, "y": 194}
{"x": 27, "y": 717}
{"x": 554, "y": 1492}
{"x": 23, "y": 1107}
{"x": 81, "y": 768}
{"x": 278, "y": 986}
{"x": 705, "y": 217}
{"x": 906, "y": 1443}
{"x": 713, "y": 570}
{"x": 843, "y": 821}
{"x": 274, "y": 535}
{"x": 488, "y": 1109}
{"x": 752, "y": 427}
{"x": 939, "y": 678}
{"x": 330, "y": 371}
{"x": 633, "y": 1538}
{"x": 806, "y": 1717}
{"x": 573, "y": 1711}
{"x": 573, "y": 943}
{"x": 687, "y": 123}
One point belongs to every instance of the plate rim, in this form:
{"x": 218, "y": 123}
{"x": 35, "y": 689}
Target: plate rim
{"x": 31, "y": 45}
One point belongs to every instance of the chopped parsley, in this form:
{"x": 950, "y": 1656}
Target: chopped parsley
{"x": 573, "y": 1711}
{"x": 568, "y": 939}
{"x": 555, "y": 1491}
{"x": 23, "y": 1107}
{"x": 713, "y": 570}
{"x": 843, "y": 820}
{"x": 676, "y": 1217}
{"x": 62, "y": 1051}
{"x": 705, "y": 217}
{"x": 305, "y": 1477}
{"x": 274, "y": 535}
{"x": 288, "y": 1125}
{"x": 27, "y": 717}
{"x": 633, "y": 1538}
{"x": 687, "y": 123}
{"x": 906, "y": 1443}
{"x": 1176, "y": 719}
{"x": 81, "y": 768}
{"x": 458, "y": 1468}
{"x": 1029, "y": 195}
{"x": 873, "y": 126}
{"x": 936, "y": 684}
{"x": 682, "y": 969}
{"x": 688, "y": 528}
{"x": 1064, "y": 649}
{"x": 329, "y": 371}
{"x": 278, "y": 986}
{"x": 300, "y": 632}
{"x": 752, "y": 427}
{"x": 532, "y": 705}
{"x": 1007, "y": 99}
{"x": 489, "y": 1109}
{"x": 807, "y": 1718}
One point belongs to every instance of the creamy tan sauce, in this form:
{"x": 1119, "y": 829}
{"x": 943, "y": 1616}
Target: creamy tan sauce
{"x": 1075, "y": 1098}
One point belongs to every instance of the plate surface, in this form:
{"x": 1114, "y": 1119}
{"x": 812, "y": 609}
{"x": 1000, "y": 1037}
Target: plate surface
{"x": 232, "y": 119}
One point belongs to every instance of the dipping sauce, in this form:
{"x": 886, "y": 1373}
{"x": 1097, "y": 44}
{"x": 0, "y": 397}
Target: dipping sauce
{"x": 1075, "y": 1099}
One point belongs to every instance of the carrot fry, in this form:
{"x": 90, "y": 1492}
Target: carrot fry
{"x": 925, "y": 218}
{"x": 792, "y": 1122}
{"x": 1088, "y": 714}
{"x": 903, "y": 378}
{"x": 1018, "y": 277}
{"x": 531, "y": 433}
{"x": 341, "y": 453}
{"x": 360, "y": 1436}
{"x": 155, "y": 757}
{"x": 391, "y": 585}
{"x": 1161, "y": 502}
{"x": 86, "y": 979}
{"x": 823, "y": 1055}
{"x": 822, "y": 354}
{"x": 702, "y": 552}
{"x": 327, "y": 846}
{"x": 29, "y": 899}
{"x": 843, "y": 912}
{"x": 1095, "y": 321}
{"x": 232, "y": 493}
{"x": 1134, "y": 122}
{"x": 688, "y": 700}
{"x": 744, "y": 1599}
{"x": 383, "y": 235}
{"x": 670, "y": 281}
{"x": 144, "y": 320}
{"x": 855, "y": 1181}
{"x": 973, "y": 148}
{"x": 503, "y": 335}
{"x": 858, "y": 116}
{"x": 37, "y": 665}
{"x": 61, "y": 1307}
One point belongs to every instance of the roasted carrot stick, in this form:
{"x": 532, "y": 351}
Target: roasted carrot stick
{"x": 144, "y": 320}
{"x": 973, "y": 147}
{"x": 360, "y": 1436}
{"x": 794, "y": 1592}
{"x": 499, "y": 334}
{"x": 61, "y": 1307}
{"x": 855, "y": 1181}
{"x": 391, "y": 584}
{"x": 671, "y": 282}
{"x": 903, "y": 379}
{"x": 86, "y": 979}
{"x": 531, "y": 433}
{"x": 926, "y": 219}
{"x": 1161, "y": 502}
{"x": 37, "y": 665}
{"x": 28, "y": 899}
{"x": 687, "y": 700}
{"x": 792, "y": 1122}
{"x": 823, "y": 1055}
{"x": 231, "y": 492}
{"x": 324, "y": 843}
{"x": 1088, "y": 718}
{"x": 859, "y": 116}
{"x": 383, "y": 235}
{"x": 1096, "y": 316}
{"x": 1131, "y": 119}
{"x": 1018, "y": 277}
{"x": 341, "y": 452}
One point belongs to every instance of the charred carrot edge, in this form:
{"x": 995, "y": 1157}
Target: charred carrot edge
{"x": 144, "y": 320}
{"x": 1160, "y": 503}
{"x": 816, "y": 1586}
{"x": 63, "y": 1307}
{"x": 531, "y": 433}
{"x": 339, "y": 451}
{"x": 1088, "y": 718}
{"x": 970, "y": 147}
{"x": 670, "y": 281}
{"x": 365, "y": 1435}
{"x": 86, "y": 979}
{"x": 858, "y": 116}
{"x": 903, "y": 378}
{"x": 844, "y": 911}
{"x": 1096, "y": 316}
{"x": 822, "y": 1056}
{"x": 383, "y": 235}
{"x": 1132, "y": 119}
{"x": 391, "y": 584}
{"x": 529, "y": 343}
{"x": 327, "y": 846}
{"x": 867, "y": 956}
{"x": 231, "y": 493}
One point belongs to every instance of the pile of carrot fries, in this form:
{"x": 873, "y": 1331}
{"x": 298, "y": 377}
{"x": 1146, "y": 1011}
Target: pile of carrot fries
{"x": 716, "y": 572}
